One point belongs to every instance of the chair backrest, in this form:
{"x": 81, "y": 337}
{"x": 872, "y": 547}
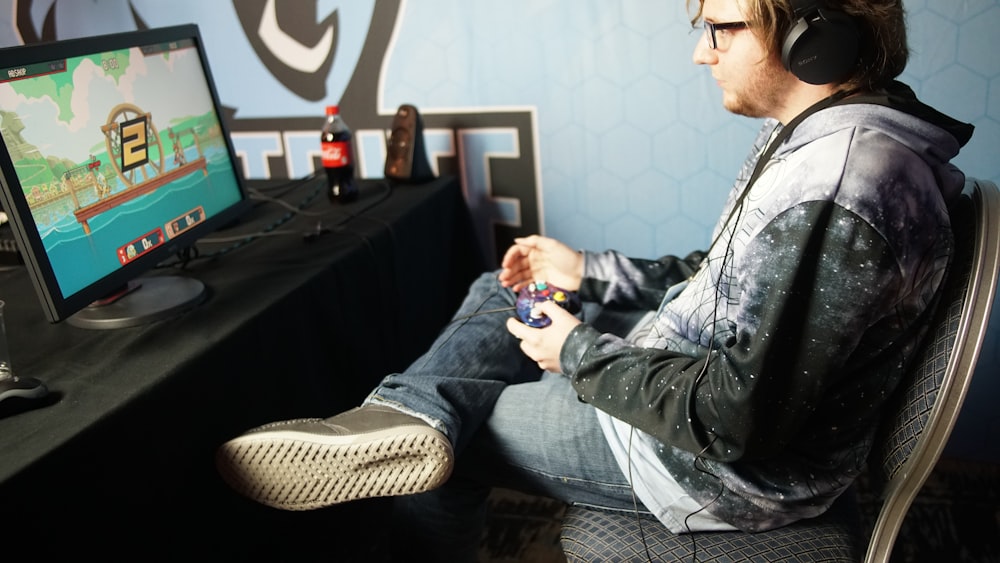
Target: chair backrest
{"x": 923, "y": 412}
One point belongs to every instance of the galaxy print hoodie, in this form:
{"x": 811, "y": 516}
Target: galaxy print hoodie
{"x": 762, "y": 374}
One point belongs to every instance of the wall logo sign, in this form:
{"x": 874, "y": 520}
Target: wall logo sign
{"x": 297, "y": 49}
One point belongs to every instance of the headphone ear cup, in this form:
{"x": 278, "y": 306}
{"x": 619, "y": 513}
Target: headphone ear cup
{"x": 821, "y": 48}
{"x": 799, "y": 28}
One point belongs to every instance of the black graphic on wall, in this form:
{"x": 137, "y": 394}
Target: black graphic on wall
{"x": 26, "y": 25}
{"x": 274, "y": 27}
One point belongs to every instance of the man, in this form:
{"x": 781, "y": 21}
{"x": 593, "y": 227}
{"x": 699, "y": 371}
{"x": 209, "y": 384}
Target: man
{"x": 741, "y": 386}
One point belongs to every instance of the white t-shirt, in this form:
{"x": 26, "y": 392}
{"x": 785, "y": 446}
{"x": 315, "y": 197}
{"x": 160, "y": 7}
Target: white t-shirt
{"x": 635, "y": 452}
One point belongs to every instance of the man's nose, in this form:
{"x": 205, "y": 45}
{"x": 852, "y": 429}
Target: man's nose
{"x": 703, "y": 53}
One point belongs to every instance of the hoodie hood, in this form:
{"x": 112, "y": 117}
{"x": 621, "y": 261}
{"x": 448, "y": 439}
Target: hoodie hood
{"x": 935, "y": 137}
{"x": 901, "y": 97}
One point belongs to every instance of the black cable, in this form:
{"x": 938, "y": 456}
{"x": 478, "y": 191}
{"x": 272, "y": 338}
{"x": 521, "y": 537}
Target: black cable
{"x": 390, "y": 298}
{"x": 339, "y": 227}
{"x": 184, "y": 258}
{"x": 289, "y": 185}
{"x": 260, "y": 197}
{"x": 478, "y": 313}
{"x": 635, "y": 501}
{"x": 718, "y": 495}
{"x": 738, "y": 213}
{"x": 386, "y": 194}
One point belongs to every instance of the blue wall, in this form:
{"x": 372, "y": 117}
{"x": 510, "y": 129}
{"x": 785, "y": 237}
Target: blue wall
{"x": 612, "y": 137}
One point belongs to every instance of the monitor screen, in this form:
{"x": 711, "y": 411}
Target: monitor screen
{"x": 114, "y": 157}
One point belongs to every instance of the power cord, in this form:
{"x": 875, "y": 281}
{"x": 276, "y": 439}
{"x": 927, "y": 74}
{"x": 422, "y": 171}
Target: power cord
{"x": 480, "y": 313}
{"x": 635, "y": 500}
{"x": 736, "y": 213}
{"x": 187, "y": 256}
{"x": 339, "y": 226}
{"x": 718, "y": 495}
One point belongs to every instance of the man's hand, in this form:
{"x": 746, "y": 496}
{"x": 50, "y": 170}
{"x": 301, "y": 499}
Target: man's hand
{"x": 537, "y": 258}
{"x": 544, "y": 344}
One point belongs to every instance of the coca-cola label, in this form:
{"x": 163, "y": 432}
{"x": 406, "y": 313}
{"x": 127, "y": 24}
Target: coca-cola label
{"x": 336, "y": 154}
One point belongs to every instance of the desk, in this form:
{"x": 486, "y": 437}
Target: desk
{"x": 120, "y": 466}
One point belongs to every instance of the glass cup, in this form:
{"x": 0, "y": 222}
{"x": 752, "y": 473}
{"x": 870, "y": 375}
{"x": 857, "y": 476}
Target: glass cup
{"x": 6, "y": 371}
{"x": 12, "y": 385}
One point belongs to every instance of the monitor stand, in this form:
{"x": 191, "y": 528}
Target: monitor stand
{"x": 145, "y": 300}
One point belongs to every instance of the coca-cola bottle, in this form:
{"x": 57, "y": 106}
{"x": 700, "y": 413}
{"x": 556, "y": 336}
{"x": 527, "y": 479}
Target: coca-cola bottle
{"x": 338, "y": 157}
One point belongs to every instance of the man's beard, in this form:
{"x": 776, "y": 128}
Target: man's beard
{"x": 762, "y": 96}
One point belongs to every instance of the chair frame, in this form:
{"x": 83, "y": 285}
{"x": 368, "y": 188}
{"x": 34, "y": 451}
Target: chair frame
{"x": 903, "y": 486}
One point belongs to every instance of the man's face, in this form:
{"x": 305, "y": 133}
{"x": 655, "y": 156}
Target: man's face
{"x": 753, "y": 82}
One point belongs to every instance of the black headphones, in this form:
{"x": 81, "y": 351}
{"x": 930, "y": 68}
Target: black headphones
{"x": 822, "y": 46}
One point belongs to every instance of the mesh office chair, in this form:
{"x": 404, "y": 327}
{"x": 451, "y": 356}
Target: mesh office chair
{"x": 918, "y": 421}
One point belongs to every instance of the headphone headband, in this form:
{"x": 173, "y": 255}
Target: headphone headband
{"x": 801, "y": 8}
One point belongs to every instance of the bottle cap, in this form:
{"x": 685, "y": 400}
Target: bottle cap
{"x": 332, "y": 110}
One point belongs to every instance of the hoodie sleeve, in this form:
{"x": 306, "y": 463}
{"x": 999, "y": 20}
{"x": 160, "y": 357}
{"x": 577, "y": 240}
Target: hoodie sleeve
{"x": 612, "y": 279}
{"x": 802, "y": 313}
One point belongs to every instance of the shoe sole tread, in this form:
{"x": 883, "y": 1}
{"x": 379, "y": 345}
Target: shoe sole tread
{"x": 301, "y": 471}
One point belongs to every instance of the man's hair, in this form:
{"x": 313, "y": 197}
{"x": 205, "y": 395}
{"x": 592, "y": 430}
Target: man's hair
{"x": 881, "y": 29}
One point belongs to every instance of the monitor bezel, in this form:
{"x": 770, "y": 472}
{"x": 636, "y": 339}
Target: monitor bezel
{"x": 58, "y": 307}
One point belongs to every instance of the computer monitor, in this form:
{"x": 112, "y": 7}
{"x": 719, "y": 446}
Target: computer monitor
{"x": 114, "y": 157}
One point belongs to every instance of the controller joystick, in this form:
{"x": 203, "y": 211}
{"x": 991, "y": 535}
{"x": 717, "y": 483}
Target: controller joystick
{"x": 538, "y": 292}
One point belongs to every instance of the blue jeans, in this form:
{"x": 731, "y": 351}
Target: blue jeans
{"x": 511, "y": 425}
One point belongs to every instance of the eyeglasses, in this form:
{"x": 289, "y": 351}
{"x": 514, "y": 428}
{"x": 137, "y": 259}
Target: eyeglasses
{"x": 722, "y": 40}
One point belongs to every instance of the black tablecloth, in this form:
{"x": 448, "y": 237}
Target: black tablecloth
{"x": 119, "y": 463}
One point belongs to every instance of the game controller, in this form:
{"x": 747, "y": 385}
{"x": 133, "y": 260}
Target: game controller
{"x": 538, "y": 292}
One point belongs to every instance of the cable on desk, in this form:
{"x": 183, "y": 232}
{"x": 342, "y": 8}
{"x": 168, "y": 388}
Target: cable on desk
{"x": 192, "y": 254}
{"x": 256, "y": 195}
{"x": 287, "y": 186}
{"x": 386, "y": 193}
{"x": 185, "y": 257}
{"x": 338, "y": 227}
